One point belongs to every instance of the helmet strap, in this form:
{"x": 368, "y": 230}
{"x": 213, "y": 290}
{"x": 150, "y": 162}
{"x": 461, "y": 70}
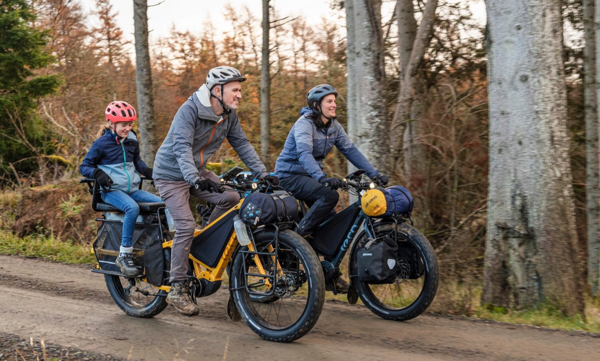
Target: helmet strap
{"x": 226, "y": 110}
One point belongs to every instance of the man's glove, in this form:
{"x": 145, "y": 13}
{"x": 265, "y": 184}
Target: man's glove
{"x": 333, "y": 183}
{"x": 382, "y": 178}
{"x": 147, "y": 173}
{"x": 271, "y": 179}
{"x": 102, "y": 178}
{"x": 208, "y": 185}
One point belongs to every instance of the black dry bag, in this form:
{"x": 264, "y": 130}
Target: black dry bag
{"x": 259, "y": 209}
{"x": 378, "y": 260}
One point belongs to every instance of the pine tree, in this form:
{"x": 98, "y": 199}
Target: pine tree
{"x": 21, "y": 54}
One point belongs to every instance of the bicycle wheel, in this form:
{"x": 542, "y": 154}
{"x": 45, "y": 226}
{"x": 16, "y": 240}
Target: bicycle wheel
{"x": 136, "y": 297}
{"x": 295, "y": 303}
{"x": 416, "y": 285}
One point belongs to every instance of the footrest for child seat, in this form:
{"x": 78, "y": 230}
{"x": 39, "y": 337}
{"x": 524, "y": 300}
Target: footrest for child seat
{"x": 112, "y": 273}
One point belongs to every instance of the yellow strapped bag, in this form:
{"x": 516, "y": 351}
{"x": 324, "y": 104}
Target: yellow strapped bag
{"x": 391, "y": 201}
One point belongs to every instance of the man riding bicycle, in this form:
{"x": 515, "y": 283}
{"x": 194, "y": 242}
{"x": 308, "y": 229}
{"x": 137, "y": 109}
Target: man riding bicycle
{"x": 300, "y": 164}
{"x": 198, "y": 129}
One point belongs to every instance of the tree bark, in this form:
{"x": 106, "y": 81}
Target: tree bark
{"x": 412, "y": 45}
{"x": 592, "y": 152}
{"x": 144, "y": 82}
{"x": 367, "y": 121}
{"x": 265, "y": 86}
{"x": 531, "y": 251}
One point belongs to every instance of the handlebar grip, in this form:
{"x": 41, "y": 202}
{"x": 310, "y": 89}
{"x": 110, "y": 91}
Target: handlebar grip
{"x": 351, "y": 183}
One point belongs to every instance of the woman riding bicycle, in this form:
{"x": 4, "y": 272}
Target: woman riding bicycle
{"x": 300, "y": 164}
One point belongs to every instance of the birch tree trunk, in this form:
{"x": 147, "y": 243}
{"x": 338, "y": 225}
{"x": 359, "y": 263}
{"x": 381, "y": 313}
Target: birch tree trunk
{"x": 144, "y": 82}
{"x": 531, "y": 250}
{"x": 367, "y": 121}
{"x": 591, "y": 130}
{"x": 413, "y": 42}
{"x": 265, "y": 86}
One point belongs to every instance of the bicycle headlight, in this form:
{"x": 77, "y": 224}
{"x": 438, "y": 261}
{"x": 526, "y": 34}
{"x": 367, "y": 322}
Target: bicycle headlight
{"x": 254, "y": 185}
{"x": 372, "y": 185}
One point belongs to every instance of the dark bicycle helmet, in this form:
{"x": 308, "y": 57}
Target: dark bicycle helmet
{"x": 314, "y": 98}
{"x": 316, "y": 94}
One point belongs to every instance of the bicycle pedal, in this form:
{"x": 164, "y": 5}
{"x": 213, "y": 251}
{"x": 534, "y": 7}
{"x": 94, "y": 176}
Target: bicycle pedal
{"x": 232, "y": 310}
{"x": 352, "y": 295}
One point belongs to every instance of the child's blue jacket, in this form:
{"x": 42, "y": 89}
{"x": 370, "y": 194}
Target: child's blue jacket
{"x": 120, "y": 160}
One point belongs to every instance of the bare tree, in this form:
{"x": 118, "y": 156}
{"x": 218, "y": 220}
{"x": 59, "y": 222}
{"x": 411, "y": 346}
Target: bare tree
{"x": 590, "y": 69}
{"x": 144, "y": 82}
{"x": 413, "y": 42}
{"x": 108, "y": 36}
{"x": 367, "y": 120}
{"x": 265, "y": 84}
{"x": 531, "y": 250}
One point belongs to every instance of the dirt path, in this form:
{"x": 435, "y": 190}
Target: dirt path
{"x": 69, "y": 306}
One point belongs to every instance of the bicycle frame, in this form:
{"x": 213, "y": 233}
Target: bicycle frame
{"x": 215, "y": 273}
{"x": 359, "y": 219}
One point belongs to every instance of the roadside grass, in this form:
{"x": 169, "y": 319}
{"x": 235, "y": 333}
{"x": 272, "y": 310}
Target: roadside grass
{"x": 545, "y": 316}
{"x": 45, "y": 247}
{"x": 454, "y": 298}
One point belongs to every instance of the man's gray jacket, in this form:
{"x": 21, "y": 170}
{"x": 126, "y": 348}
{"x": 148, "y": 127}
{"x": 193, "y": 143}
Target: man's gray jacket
{"x": 195, "y": 135}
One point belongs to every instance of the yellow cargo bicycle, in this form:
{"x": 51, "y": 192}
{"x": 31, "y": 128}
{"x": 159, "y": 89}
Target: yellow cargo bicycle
{"x": 276, "y": 282}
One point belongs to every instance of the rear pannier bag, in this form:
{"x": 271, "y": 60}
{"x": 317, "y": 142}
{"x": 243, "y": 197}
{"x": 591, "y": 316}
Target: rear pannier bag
{"x": 377, "y": 261}
{"x": 259, "y": 209}
{"x": 147, "y": 248}
{"x": 399, "y": 201}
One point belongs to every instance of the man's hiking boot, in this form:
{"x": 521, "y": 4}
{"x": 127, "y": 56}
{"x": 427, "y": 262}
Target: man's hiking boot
{"x": 340, "y": 285}
{"x": 127, "y": 265}
{"x": 179, "y": 297}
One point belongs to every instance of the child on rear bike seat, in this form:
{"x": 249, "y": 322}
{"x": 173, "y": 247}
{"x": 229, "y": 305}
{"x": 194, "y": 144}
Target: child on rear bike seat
{"x": 114, "y": 163}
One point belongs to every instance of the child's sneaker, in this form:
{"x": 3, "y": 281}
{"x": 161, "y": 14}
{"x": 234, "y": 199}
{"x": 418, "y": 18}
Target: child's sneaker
{"x": 127, "y": 266}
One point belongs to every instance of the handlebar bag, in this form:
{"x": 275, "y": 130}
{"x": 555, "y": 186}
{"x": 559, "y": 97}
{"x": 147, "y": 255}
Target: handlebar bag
{"x": 380, "y": 202}
{"x": 377, "y": 261}
{"x": 260, "y": 209}
{"x": 399, "y": 201}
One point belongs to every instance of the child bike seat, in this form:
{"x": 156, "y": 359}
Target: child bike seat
{"x": 99, "y": 206}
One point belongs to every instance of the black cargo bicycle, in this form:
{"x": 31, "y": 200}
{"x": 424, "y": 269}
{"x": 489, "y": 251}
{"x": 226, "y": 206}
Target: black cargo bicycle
{"x": 413, "y": 285}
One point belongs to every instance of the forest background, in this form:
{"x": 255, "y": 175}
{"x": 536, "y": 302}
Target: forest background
{"x": 436, "y": 144}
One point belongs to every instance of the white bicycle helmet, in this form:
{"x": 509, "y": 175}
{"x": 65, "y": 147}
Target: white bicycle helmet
{"x": 222, "y": 75}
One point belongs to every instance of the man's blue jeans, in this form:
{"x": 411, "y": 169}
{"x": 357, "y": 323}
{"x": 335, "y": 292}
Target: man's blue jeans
{"x": 127, "y": 203}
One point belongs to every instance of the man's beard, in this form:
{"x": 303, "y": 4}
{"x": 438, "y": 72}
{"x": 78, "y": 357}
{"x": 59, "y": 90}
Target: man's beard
{"x": 231, "y": 106}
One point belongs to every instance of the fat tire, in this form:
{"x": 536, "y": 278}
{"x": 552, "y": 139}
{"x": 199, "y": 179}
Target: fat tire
{"x": 153, "y": 308}
{"x": 431, "y": 276}
{"x": 316, "y": 296}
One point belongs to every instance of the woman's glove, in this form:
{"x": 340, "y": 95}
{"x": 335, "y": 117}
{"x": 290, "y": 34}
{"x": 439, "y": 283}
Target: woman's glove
{"x": 102, "y": 178}
{"x": 382, "y": 178}
{"x": 333, "y": 183}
